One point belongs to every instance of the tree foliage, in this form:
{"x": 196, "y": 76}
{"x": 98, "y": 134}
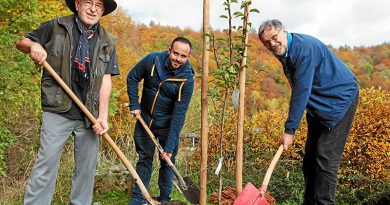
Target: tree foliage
{"x": 19, "y": 77}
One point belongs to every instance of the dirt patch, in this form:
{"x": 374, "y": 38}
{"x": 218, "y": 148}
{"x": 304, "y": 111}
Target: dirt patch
{"x": 113, "y": 177}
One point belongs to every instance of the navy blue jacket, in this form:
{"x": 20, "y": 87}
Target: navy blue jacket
{"x": 321, "y": 83}
{"x": 165, "y": 96}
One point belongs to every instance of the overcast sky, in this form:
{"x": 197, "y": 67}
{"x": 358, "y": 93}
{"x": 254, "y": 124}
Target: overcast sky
{"x": 335, "y": 22}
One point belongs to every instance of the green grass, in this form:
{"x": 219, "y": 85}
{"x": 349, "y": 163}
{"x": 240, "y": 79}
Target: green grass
{"x": 114, "y": 197}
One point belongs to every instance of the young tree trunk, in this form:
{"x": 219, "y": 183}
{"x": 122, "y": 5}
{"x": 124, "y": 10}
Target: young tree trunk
{"x": 204, "y": 106}
{"x": 230, "y": 42}
{"x": 221, "y": 145}
{"x": 241, "y": 114}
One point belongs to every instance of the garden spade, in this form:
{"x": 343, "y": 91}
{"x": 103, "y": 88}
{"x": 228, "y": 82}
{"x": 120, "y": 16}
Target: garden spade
{"x": 187, "y": 187}
{"x": 120, "y": 154}
{"x": 250, "y": 195}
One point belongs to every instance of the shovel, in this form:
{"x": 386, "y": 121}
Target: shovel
{"x": 250, "y": 195}
{"x": 120, "y": 154}
{"x": 186, "y": 186}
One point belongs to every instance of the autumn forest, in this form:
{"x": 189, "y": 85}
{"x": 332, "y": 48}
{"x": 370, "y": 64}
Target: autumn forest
{"x": 365, "y": 169}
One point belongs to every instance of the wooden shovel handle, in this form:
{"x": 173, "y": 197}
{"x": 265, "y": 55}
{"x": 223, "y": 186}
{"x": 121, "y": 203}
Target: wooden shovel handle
{"x": 105, "y": 136}
{"x": 271, "y": 167}
{"x": 161, "y": 150}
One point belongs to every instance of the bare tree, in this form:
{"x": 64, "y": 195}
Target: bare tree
{"x": 204, "y": 106}
{"x": 241, "y": 109}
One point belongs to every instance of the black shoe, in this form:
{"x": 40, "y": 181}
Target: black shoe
{"x": 173, "y": 202}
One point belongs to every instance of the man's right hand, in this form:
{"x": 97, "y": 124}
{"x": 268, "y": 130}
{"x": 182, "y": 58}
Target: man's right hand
{"x": 37, "y": 53}
{"x": 136, "y": 113}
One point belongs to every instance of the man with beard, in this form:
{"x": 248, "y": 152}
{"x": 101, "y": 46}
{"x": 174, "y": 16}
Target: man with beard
{"x": 167, "y": 89}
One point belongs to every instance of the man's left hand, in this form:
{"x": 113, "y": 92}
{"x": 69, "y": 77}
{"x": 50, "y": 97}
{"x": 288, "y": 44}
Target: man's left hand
{"x": 101, "y": 126}
{"x": 166, "y": 154}
{"x": 287, "y": 140}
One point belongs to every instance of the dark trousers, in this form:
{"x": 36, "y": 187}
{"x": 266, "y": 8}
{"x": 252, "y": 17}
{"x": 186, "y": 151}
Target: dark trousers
{"x": 323, "y": 153}
{"x": 145, "y": 149}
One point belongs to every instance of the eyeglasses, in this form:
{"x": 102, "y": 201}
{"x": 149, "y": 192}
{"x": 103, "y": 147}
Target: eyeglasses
{"x": 273, "y": 38}
{"x": 98, "y": 6}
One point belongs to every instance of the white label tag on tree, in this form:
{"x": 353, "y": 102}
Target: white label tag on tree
{"x": 219, "y": 166}
{"x": 236, "y": 97}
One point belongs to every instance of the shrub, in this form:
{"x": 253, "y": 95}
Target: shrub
{"x": 367, "y": 152}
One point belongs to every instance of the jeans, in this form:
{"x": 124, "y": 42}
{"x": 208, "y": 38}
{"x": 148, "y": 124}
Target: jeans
{"x": 145, "y": 149}
{"x": 323, "y": 153}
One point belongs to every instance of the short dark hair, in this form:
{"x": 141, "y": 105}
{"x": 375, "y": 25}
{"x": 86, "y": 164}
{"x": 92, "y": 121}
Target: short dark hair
{"x": 183, "y": 40}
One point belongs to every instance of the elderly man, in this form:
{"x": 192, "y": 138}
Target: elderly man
{"x": 167, "y": 90}
{"x": 323, "y": 86}
{"x": 83, "y": 53}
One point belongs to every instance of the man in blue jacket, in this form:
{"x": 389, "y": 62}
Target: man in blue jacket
{"x": 167, "y": 89}
{"x": 323, "y": 86}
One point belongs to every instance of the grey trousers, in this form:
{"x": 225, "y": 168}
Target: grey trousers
{"x": 55, "y": 132}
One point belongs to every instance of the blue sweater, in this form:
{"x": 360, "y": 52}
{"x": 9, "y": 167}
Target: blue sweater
{"x": 165, "y": 97}
{"x": 321, "y": 83}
